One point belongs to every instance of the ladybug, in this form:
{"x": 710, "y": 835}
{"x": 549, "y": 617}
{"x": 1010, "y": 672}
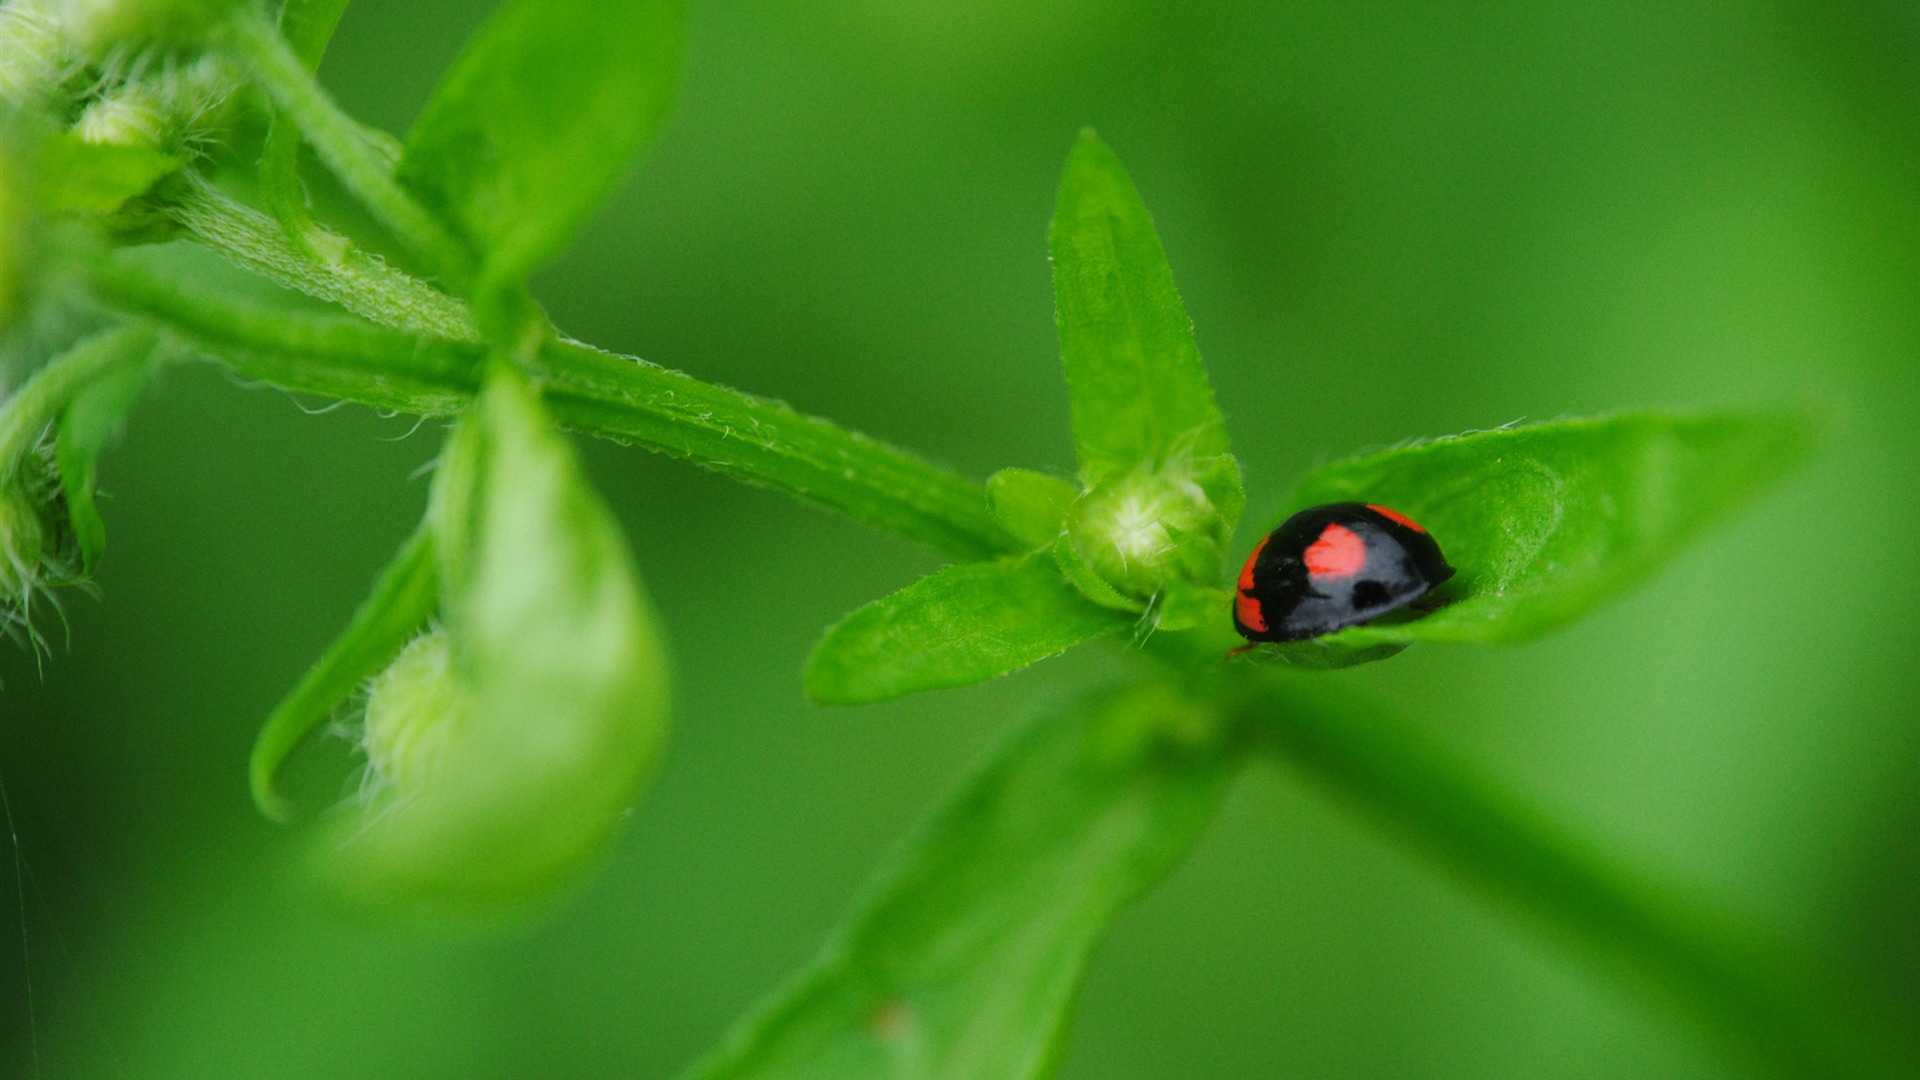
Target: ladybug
{"x": 1332, "y": 567}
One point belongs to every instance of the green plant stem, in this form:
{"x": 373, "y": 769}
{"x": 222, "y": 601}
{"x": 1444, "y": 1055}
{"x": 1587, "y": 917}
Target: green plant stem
{"x": 327, "y": 266}
{"x": 339, "y": 142}
{"x": 307, "y": 26}
{"x": 26, "y": 416}
{"x": 618, "y": 397}
{"x": 1797, "y": 1017}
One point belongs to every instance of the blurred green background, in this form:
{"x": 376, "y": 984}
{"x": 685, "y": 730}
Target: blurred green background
{"x": 1388, "y": 220}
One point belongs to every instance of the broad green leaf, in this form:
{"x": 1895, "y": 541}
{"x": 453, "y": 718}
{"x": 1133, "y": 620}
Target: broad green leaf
{"x": 402, "y": 601}
{"x": 552, "y": 703}
{"x": 1031, "y": 506}
{"x": 538, "y": 119}
{"x": 1545, "y": 522}
{"x": 963, "y": 963}
{"x": 964, "y": 624}
{"x": 89, "y": 423}
{"x": 1140, "y": 393}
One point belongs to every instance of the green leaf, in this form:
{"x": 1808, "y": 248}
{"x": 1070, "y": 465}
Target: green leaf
{"x": 89, "y": 178}
{"x": 89, "y": 423}
{"x": 1088, "y": 580}
{"x": 1031, "y": 506}
{"x": 1545, "y": 522}
{"x": 402, "y": 601}
{"x": 963, "y": 963}
{"x": 538, "y": 119}
{"x": 964, "y": 624}
{"x": 556, "y": 711}
{"x": 1140, "y": 393}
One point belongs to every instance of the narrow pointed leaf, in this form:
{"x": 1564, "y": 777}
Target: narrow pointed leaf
{"x": 1545, "y": 522}
{"x": 539, "y": 117}
{"x": 402, "y": 600}
{"x": 964, "y": 624}
{"x": 86, "y": 427}
{"x": 963, "y": 963}
{"x": 1140, "y": 393}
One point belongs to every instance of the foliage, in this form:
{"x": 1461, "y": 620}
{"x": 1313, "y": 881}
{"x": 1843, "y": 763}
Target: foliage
{"x": 516, "y": 683}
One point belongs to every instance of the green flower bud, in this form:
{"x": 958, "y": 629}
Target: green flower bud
{"x": 509, "y": 746}
{"x": 1143, "y": 529}
{"x": 133, "y": 117}
{"x": 414, "y": 713}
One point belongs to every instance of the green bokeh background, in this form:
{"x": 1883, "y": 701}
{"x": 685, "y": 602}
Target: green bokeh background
{"x": 1387, "y": 220}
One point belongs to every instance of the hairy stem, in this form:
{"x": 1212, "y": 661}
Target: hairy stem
{"x": 339, "y": 142}
{"x": 326, "y": 266}
{"x": 619, "y": 397}
{"x": 1774, "y": 1004}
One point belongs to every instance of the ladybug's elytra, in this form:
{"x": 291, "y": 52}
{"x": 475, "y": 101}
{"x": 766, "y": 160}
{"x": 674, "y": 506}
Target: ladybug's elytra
{"x": 1332, "y": 567}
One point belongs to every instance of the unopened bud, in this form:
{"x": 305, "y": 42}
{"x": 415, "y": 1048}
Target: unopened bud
{"x": 1143, "y": 529}
{"x": 414, "y": 713}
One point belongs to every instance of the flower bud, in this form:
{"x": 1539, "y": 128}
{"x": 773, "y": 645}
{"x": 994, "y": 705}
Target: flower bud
{"x": 1143, "y": 529}
{"x": 414, "y": 713}
{"x": 133, "y": 117}
{"x": 509, "y": 746}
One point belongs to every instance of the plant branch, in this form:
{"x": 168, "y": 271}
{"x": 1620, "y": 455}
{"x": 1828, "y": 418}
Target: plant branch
{"x": 753, "y": 439}
{"x": 1796, "y": 1015}
{"x": 339, "y": 142}
{"x": 362, "y": 283}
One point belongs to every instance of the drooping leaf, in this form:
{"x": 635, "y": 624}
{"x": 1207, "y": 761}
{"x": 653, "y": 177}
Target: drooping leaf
{"x": 88, "y": 424}
{"x": 539, "y": 117}
{"x": 557, "y": 705}
{"x": 1545, "y": 522}
{"x": 402, "y": 601}
{"x": 965, "y": 624}
{"x": 1140, "y": 393}
{"x": 963, "y": 963}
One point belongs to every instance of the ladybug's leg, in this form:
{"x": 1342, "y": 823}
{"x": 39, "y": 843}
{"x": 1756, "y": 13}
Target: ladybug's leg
{"x": 1242, "y": 650}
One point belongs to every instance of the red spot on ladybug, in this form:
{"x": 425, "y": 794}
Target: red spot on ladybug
{"x": 1396, "y": 517}
{"x": 1332, "y": 567}
{"x": 1246, "y": 610}
{"x": 1338, "y": 553}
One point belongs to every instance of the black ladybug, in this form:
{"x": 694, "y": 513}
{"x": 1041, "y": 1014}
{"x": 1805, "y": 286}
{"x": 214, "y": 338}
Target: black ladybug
{"x": 1332, "y": 567}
